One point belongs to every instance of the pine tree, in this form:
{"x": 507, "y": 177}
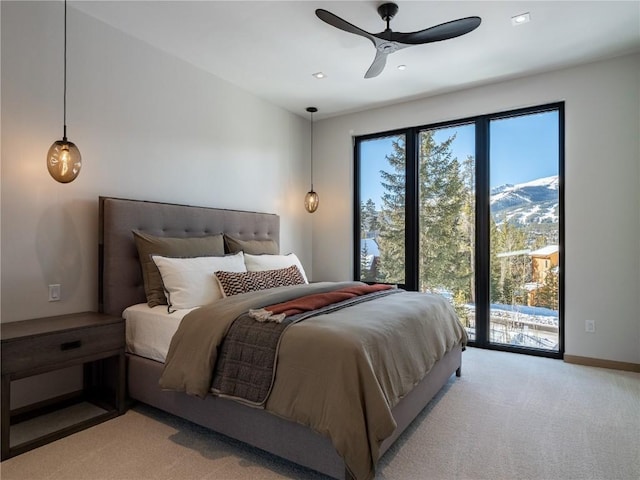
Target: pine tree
{"x": 446, "y": 228}
{"x": 466, "y": 293}
{"x": 364, "y": 221}
{"x": 514, "y": 269}
{"x": 392, "y": 232}
{"x": 365, "y": 274}
{"x": 496, "y": 292}
{"x": 547, "y": 294}
{"x": 443, "y": 261}
{"x": 468, "y": 230}
{"x": 372, "y": 218}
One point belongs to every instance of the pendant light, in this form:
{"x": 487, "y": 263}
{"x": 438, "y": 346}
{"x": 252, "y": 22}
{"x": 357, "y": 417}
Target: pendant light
{"x": 63, "y": 159}
{"x": 311, "y": 199}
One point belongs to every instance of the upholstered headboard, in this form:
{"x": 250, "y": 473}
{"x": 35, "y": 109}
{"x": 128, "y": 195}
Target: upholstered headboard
{"x": 120, "y": 276}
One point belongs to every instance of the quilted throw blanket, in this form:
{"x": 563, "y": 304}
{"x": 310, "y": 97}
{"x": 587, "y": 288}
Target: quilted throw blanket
{"x": 246, "y": 366}
{"x": 339, "y": 373}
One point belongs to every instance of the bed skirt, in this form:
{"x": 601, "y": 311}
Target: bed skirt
{"x": 259, "y": 428}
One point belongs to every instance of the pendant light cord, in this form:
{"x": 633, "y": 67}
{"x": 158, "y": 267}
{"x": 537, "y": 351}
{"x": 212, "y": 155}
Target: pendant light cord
{"x": 64, "y": 107}
{"x": 311, "y": 151}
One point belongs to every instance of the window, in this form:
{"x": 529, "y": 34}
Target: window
{"x": 471, "y": 210}
{"x": 382, "y": 211}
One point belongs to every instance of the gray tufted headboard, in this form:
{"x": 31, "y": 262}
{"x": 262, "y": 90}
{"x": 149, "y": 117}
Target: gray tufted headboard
{"x": 120, "y": 276}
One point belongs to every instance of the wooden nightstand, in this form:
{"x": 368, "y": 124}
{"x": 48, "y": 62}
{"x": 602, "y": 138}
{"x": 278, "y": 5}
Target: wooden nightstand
{"x": 32, "y": 347}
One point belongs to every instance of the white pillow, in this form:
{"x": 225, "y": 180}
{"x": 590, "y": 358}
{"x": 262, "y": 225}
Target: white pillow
{"x": 191, "y": 282}
{"x": 259, "y": 263}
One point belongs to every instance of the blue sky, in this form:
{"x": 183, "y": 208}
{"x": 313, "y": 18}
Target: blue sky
{"x": 521, "y": 149}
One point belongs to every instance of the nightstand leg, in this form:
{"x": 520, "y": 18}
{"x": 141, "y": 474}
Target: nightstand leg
{"x": 121, "y": 387}
{"x": 5, "y": 426}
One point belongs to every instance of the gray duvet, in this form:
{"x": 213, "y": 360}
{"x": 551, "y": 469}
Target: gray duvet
{"x": 339, "y": 373}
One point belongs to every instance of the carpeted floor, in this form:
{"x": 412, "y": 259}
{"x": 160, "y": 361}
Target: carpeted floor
{"x": 508, "y": 417}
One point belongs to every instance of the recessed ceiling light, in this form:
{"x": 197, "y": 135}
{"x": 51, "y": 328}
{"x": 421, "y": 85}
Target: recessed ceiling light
{"x": 402, "y": 67}
{"x": 520, "y": 19}
{"x": 319, "y": 75}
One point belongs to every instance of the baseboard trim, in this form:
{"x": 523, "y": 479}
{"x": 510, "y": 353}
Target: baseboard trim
{"x": 601, "y": 363}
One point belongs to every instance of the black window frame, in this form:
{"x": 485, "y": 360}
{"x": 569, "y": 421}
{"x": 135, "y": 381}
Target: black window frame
{"x": 482, "y": 221}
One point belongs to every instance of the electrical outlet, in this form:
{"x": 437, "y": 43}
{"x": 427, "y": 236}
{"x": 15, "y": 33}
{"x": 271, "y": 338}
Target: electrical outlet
{"x": 590, "y": 326}
{"x": 54, "y": 292}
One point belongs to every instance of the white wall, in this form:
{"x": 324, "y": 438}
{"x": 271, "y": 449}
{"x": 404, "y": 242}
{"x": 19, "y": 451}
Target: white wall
{"x": 149, "y": 126}
{"x": 602, "y": 190}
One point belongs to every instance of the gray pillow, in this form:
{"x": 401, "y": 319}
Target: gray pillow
{"x": 254, "y": 247}
{"x": 148, "y": 245}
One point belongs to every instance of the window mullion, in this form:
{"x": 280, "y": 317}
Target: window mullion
{"x": 356, "y": 209}
{"x": 412, "y": 214}
{"x": 483, "y": 276}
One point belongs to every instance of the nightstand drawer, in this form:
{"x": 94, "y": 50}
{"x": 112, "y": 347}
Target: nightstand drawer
{"x": 43, "y": 351}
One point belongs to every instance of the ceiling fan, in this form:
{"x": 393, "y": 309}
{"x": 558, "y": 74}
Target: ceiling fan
{"x": 387, "y": 42}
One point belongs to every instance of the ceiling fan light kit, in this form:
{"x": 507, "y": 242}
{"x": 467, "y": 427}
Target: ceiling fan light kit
{"x": 388, "y": 41}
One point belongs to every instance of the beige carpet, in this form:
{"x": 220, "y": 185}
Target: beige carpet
{"x": 508, "y": 417}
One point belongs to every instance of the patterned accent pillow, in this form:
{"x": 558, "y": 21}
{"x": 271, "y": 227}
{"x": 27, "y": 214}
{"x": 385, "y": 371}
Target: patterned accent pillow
{"x": 233, "y": 283}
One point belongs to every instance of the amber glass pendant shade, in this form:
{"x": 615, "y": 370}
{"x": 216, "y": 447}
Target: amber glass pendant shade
{"x": 64, "y": 161}
{"x": 311, "y": 201}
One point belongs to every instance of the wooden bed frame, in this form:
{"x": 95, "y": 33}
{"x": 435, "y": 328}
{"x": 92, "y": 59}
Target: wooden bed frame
{"x": 120, "y": 286}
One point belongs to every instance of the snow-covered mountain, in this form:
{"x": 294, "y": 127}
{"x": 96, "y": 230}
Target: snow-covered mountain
{"x": 525, "y": 203}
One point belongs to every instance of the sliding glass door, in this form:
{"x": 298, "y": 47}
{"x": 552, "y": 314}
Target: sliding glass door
{"x": 471, "y": 210}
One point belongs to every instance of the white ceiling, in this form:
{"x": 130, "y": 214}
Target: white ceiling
{"x": 272, "y": 48}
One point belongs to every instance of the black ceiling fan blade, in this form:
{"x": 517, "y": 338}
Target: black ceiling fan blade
{"x": 338, "y": 22}
{"x": 388, "y": 42}
{"x": 378, "y": 65}
{"x": 444, "y": 31}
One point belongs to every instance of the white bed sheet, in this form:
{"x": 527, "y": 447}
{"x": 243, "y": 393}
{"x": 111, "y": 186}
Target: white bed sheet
{"x": 149, "y": 330}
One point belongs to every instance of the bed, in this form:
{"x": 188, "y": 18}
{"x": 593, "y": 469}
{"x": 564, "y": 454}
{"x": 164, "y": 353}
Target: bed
{"x": 121, "y": 288}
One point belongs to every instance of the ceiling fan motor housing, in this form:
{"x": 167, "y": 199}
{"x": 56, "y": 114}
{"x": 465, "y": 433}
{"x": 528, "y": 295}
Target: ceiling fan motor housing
{"x": 387, "y": 11}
